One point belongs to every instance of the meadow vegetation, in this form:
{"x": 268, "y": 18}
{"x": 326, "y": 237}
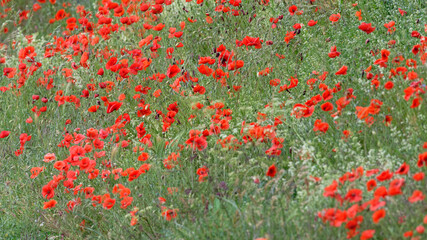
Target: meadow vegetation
{"x": 213, "y": 119}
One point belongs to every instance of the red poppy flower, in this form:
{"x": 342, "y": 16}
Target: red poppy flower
{"x": 353, "y": 195}
{"x": 47, "y": 191}
{"x": 385, "y": 175}
{"x": 234, "y": 65}
{"x": 35, "y": 171}
{"x": 371, "y": 184}
{"x": 389, "y": 85}
{"x": 358, "y": 14}
{"x": 49, "y": 157}
{"x": 205, "y": 70}
{"x": 108, "y": 203}
{"x": 417, "y": 196}
{"x": 60, "y": 14}
{"x": 49, "y": 204}
{"x": 327, "y": 106}
{"x": 300, "y": 110}
{"x": 271, "y": 172}
{"x": 169, "y": 214}
{"x": 4, "y": 134}
{"x": 202, "y": 173}
{"x": 320, "y": 126}
{"x": 126, "y": 201}
{"x": 93, "y": 108}
{"x": 36, "y": 7}
{"x": 420, "y": 229}
{"x": 251, "y": 41}
{"x": 389, "y": 24}
{"x": 92, "y": 133}
{"x": 199, "y": 89}
{"x": 380, "y": 192}
{"x": 173, "y": 70}
{"x": 334, "y": 17}
{"x": 292, "y": 9}
{"x": 334, "y": 53}
{"x": 113, "y": 106}
{"x": 200, "y": 143}
{"x": 367, "y": 234}
{"x": 342, "y": 71}
{"x": 378, "y": 215}
{"x": 402, "y": 12}
{"x": 403, "y": 169}
{"x": 366, "y": 27}
{"x": 311, "y": 23}
{"x": 297, "y": 26}
{"x": 418, "y": 176}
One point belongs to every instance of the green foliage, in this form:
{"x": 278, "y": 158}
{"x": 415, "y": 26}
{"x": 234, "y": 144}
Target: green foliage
{"x": 236, "y": 199}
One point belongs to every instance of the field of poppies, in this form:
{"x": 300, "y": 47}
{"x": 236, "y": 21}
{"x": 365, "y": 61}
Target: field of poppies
{"x": 213, "y": 119}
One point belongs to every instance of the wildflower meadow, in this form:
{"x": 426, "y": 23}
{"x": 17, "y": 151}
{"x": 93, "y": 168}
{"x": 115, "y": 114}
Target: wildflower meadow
{"x": 213, "y": 119}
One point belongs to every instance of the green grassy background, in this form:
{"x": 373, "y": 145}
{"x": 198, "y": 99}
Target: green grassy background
{"x": 228, "y": 205}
